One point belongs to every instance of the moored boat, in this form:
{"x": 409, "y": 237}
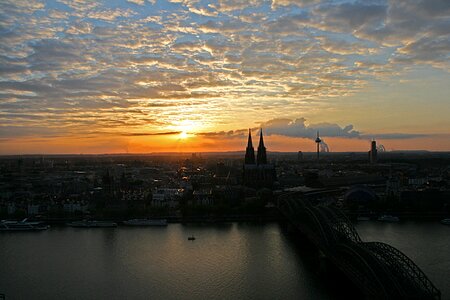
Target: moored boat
{"x": 388, "y": 218}
{"x": 92, "y": 224}
{"x": 446, "y": 221}
{"x": 146, "y": 222}
{"x": 23, "y": 225}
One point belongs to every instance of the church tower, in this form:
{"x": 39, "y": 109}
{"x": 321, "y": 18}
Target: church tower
{"x": 250, "y": 152}
{"x": 261, "y": 158}
{"x": 258, "y": 173}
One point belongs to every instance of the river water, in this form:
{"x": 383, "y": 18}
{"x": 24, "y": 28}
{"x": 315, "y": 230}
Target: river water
{"x": 228, "y": 261}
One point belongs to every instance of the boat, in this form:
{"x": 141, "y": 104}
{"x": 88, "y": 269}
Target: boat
{"x": 191, "y": 238}
{"x": 388, "y": 218}
{"x": 146, "y": 222}
{"x": 23, "y": 225}
{"x": 362, "y": 218}
{"x": 92, "y": 224}
{"x": 446, "y": 221}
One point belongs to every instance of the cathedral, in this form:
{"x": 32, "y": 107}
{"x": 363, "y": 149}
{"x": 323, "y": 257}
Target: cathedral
{"x": 257, "y": 172}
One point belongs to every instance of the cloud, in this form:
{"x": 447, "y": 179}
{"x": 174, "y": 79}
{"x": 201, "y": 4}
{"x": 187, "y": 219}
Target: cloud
{"x": 394, "y": 136}
{"x": 151, "y": 134}
{"x": 110, "y": 14}
{"x": 343, "y": 47}
{"x": 138, "y": 2}
{"x": 299, "y": 128}
{"x": 226, "y": 6}
{"x": 228, "y": 134}
{"x": 278, "y": 3}
{"x": 350, "y": 17}
{"x": 435, "y": 51}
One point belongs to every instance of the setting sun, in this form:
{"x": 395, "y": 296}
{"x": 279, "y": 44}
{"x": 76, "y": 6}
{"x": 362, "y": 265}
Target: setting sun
{"x": 183, "y": 135}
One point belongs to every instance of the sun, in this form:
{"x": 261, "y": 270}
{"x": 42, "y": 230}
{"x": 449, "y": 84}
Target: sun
{"x": 183, "y": 135}
{"x": 186, "y": 129}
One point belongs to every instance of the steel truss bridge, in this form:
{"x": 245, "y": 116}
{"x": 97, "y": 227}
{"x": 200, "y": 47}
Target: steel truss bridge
{"x": 379, "y": 270}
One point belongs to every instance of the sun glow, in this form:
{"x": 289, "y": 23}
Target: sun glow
{"x": 183, "y": 135}
{"x": 187, "y": 129}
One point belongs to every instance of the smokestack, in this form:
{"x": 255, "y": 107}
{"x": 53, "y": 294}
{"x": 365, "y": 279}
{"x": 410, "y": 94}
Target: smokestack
{"x": 373, "y": 152}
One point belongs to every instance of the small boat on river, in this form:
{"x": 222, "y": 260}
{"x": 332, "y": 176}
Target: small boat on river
{"x": 191, "y": 238}
{"x": 388, "y": 218}
{"x": 23, "y": 225}
{"x": 446, "y": 221}
{"x": 92, "y": 224}
{"x": 146, "y": 222}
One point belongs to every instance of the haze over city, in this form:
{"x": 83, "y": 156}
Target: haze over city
{"x": 189, "y": 75}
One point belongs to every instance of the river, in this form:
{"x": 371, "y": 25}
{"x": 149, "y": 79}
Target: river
{"x": 227, "y": 261}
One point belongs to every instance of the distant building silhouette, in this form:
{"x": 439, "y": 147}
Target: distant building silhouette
{"x": 259, "y": 173}
{"x": 373, "y": 152}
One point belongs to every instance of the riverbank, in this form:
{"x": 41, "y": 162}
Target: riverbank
{"x": 403, "y": 216}
{"x": 269, "y": 216}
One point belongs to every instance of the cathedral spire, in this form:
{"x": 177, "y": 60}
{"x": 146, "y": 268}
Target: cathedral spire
{"x": 261, "y": 158}
{"x": 250, "y": 143}
{"x": 250, "y": 152}
{"x": 261, "y": 140}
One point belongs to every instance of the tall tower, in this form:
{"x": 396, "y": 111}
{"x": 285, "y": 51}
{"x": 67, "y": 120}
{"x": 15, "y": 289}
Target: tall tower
{"x": 318, "y": 141}
{"x": 261, "y": 158}
{"x": 249, "y": 152}
{"x": 373, "y": 152}
{"x": 258, "y": 174}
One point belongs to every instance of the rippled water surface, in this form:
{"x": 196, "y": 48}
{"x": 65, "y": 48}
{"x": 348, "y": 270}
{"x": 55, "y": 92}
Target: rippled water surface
{"x": 228, "y": 261}
{"x": 231, "y": 261}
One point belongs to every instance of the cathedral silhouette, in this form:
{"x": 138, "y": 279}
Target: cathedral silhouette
{"x": 257, "y": 172}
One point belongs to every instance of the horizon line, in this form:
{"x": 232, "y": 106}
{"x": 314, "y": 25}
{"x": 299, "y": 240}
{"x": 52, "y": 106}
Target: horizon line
{"x": 211, "y": 152}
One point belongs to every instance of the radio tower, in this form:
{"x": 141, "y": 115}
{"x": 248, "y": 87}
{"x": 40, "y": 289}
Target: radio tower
{"x": 318, "y": 141}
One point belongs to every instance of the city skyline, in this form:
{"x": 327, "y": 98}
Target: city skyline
{"x": 192, "y": 76}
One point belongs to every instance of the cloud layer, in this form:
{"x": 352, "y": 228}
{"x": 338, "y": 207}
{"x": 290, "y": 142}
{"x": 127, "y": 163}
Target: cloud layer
{"x": 82, "y": 67}
{"x": 299, "y": 128}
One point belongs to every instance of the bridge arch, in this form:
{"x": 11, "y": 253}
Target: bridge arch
{"x": 382, "y": 271}
{"x": 411, "y": 279}
{"x": 352, "y": 261}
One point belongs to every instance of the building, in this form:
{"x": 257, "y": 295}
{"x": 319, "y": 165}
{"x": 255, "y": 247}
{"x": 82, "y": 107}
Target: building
{"x": 258, "y": 173}
{"x": 203, "y": 197}
{"x": 373, "y": 153}
{"x": 299, "y": 156}
{"x": 166, "y": 197}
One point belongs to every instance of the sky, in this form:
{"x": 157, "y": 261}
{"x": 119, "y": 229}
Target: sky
{"x": 140, "y": 76}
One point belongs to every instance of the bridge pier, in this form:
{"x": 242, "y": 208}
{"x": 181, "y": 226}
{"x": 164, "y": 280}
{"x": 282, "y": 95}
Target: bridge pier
{"x": 317, "y": 262}
{"x": 323, "y": 262}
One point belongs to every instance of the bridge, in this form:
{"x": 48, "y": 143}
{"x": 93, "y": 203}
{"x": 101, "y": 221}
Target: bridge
{"x": 379, "y": 270}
